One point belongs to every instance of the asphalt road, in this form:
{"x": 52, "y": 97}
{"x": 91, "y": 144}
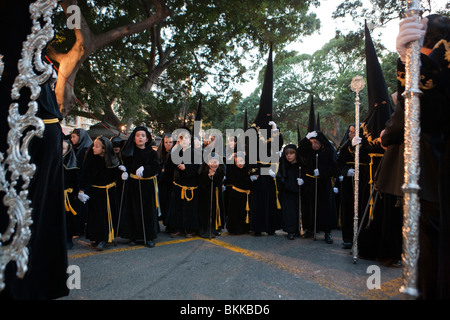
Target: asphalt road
{"x": 229, "y": 268}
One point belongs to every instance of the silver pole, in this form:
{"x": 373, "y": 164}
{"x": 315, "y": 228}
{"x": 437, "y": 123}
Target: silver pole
{"x": 411, "y": 206}
{"x": 357, "y": 85}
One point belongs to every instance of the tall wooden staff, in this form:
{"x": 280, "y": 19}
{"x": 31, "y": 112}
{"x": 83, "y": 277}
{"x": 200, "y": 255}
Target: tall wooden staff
{"x": 411, "y": 203}
{"x": 357, "y": 85}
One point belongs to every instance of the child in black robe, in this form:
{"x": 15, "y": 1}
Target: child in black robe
{"x": 289, "y": 181}
{"x": 97, "y": 185}
{"x": 238, "y": 197}
{"x": 165, "y": 178}
{"x": 70, "y": 190}
{"x": 182, "y": 214}
{"x": 142, "y": 203}
{"x": 211, "y": 208}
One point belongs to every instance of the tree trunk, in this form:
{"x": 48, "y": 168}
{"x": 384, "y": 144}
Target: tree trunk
{"x": 86, "y": 43}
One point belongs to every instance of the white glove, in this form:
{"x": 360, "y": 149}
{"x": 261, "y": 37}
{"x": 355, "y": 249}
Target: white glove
{"x": 409, "y": 30}
{"x": 273, "y": 124}
{"x": 253, "y": 177}
{"x": 310, "y": 135}
{"x": 300, "y": 181}
{"x": 335, "y": 190}
{"x": 356, "y": 140}
{"x": 341, "y": 178}
{"x": 351, "y": 173}
{"x": 122, "y": 167}
{"x": 271, "y": 173}
{"x": 124, "y": 176}
{"x": 140, "y": 172}
{"x": 316, "y": 172}
{"x": 83, "y": 197}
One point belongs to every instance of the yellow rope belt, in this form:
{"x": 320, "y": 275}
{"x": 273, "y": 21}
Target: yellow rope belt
{"x": 183, "y": 191}
{"x": 67, "y": 201}
{"x": 50, "y": 121}
{"x": 314, "y": 177}
{"x": 218, "y": 221}
{"x": 155, "y": 184}
{"x": 372, "y": 155}
{"x": 247, "y": 205}
{"x": 108, "y": 207}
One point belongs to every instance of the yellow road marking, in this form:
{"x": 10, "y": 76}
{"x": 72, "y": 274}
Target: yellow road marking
{"x": 389, "y": 289}
{"x": 108, "y": 251}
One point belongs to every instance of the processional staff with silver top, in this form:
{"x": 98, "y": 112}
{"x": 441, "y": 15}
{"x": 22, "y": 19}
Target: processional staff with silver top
{"x": 357, "y": 85}
{"x": 411, "y": 203}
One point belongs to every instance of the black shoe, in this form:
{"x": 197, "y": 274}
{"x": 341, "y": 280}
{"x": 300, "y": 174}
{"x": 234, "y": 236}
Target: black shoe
{"x": 150, "y": 244}
{"x": 290, "y": 236}
{"x": 132, "y": 243}
{"x": 347, "y": 245}
{"x": 257, "y": 234}
{"x": 101, "y": 246}
{"x": 328, "y": 238}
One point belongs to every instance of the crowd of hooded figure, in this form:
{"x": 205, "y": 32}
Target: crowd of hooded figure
{"x": 311, "y": 190}
{"x": 124, "y": 188}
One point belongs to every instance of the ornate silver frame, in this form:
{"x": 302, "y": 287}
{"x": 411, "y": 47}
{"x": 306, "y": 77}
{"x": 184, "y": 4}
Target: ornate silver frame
{"x": 15, "y": 165}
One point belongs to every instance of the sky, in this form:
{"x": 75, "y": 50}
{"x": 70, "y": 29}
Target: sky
{"x": 315, "y": 42}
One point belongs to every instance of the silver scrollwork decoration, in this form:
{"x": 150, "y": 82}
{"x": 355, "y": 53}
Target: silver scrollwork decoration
{"x": 356, "y": 85}
{"x": 16, "y": 171}
{"x": 411, "y": 206}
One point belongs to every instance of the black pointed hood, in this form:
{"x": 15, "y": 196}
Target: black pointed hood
{"x": 312, "y": 118}
{"x": 245, "y": 127}
{"x": 198, "y": 115}
{"x": 380, "y": 107}
{"x": 264, "y": 115}
{"x": 299, "y": 136}
{"x": 318, "y": 122}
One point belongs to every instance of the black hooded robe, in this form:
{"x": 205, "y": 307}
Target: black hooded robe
{"x": 238, "y": 199}
{"x": 326, "y": 218}
{"x": 182, "y": 214}
{"x": 289, "y": 194}
{"x": 265, "y": 205}
{"x": 133, "y": 228}
{"x": 216, "y": 212}
{"x": 98, "y": 181}
{"x": 141, "y": 191}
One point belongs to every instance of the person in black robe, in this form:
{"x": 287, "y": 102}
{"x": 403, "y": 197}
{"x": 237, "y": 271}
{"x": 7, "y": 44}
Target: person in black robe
{"x": 165, "y": 178}
{"x": 211, "y": 207}
{"x": 265, "y": 205}
{"x": 316, "y": 147}
{"x": 81, "y": 143}
{"x": 117, "y": 145}
{"x": 182, "y": 214}
{"x": 434, "y": 155}
{"x": 239, "y": 196}
{"x": 346, "y": 173}
{"x": 70, "y": 190}
{"x": 289, "y": 181}
{"x": 97, "y": 185}
{"x": 47, "y": 252}
{"x": 143, "y": 166}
